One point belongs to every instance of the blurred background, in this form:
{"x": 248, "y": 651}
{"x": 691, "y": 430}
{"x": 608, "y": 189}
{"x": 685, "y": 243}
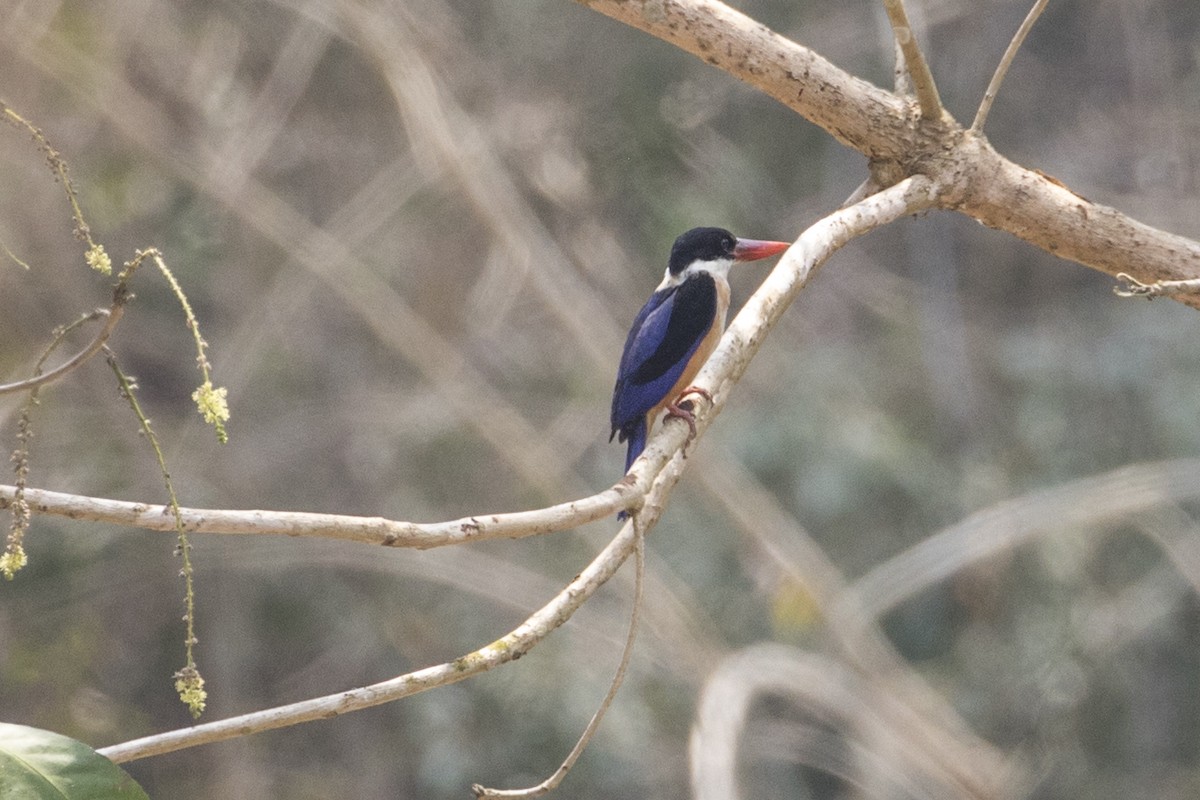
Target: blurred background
{"x": 415, "y": 234}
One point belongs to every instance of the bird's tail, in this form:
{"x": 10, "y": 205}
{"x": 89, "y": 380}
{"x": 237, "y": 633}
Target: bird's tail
{"x": 636, "y": 434}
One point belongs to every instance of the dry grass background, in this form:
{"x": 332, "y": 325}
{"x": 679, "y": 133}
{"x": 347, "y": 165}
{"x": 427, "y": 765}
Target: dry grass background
{"x": 414, "y": 233}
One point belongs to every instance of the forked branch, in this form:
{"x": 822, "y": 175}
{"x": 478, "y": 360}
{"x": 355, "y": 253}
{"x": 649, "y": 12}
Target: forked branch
{"x": 973, "y": 178}
{"x": 659, "y": 469}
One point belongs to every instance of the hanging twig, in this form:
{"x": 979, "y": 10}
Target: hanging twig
{"x": 551, "y": 783}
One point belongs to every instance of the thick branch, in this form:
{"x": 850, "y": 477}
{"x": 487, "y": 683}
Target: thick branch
{"x": 1041, "y": 210}
{"x": 856, "y": 113}
{"x": 974, "y": 179}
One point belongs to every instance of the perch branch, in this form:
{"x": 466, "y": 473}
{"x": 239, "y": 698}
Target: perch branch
{"x": 659, "y": 468}
{"x": 724, "y": 368}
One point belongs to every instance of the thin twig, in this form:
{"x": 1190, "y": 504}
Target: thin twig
{"x": 551, "y": 783}
{"x": 864, "y": 190}
{"x": 918, "y": 69}
{"x": 95, "y": 256}
{"x": 14, "y": 558}
{"x": 209, "y": 399}
{"x": 1134, "y": 288}
{"x": 993, "y": 88}
{"x": 111, "y": 317}
{"x": 188, "y": 682}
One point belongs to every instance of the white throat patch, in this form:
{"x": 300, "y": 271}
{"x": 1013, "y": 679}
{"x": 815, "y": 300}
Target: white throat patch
{"x": 718, "y": 268}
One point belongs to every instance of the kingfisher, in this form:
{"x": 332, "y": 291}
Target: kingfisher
{"x": 676, "y": 331}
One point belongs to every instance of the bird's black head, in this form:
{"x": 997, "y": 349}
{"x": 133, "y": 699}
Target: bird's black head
{"x": 701, "y": 244}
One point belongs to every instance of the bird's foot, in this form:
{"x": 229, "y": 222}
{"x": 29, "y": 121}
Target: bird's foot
{"x": 683, "y": 409}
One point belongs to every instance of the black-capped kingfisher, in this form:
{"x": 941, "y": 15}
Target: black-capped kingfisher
{"x": 676, "y": 331}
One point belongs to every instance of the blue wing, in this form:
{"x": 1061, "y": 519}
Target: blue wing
{"x": 664, "y": 337}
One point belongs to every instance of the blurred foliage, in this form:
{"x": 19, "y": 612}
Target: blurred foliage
{"x": 414, "y": 234}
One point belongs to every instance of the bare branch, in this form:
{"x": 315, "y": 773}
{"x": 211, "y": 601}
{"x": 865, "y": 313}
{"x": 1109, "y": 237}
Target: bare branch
{"x": 1006, "y": 60}
{"x": 1041, "y": 210}
{"x": 974, "y": 178}
{"x": 856, "y": 113}
{"x": 1084, "y": 503}
{"x": 660, "y": 467}
{"x": 883, "y": 752}
{"x": 508, "y": 648}
{"x": 918, "y": 69}
{"x": 366, "y": 530}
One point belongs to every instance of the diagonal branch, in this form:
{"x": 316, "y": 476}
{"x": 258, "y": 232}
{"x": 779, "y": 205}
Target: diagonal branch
{"x": 508, "y": 648}
{"x": 659, "y": 468}
{"x": 989, "y": 96}
{"x": 918, "y": 68}
{"x": 856, "y": 113}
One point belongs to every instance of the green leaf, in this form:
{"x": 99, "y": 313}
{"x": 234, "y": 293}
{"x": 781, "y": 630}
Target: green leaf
{"x": 40, "y": 765}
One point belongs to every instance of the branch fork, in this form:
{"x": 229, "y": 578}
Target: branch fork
{"x": 654, "y": 476}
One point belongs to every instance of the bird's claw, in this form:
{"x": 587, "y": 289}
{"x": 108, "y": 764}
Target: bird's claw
{"x": 682, "y": 409}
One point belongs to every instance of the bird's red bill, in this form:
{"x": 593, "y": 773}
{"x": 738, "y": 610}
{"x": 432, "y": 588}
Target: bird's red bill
{"x": 754, "y": 249}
